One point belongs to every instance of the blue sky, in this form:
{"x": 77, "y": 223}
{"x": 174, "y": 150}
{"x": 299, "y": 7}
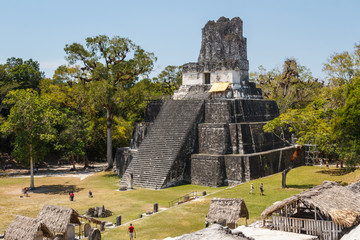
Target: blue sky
{"x": 308, "y": 30}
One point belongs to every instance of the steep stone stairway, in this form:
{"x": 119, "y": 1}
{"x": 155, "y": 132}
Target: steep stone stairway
{"x": 163, "y": 144}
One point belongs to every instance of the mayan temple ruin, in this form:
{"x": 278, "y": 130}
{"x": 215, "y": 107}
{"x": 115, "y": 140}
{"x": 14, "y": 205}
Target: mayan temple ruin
{"x": 211, "y": 132}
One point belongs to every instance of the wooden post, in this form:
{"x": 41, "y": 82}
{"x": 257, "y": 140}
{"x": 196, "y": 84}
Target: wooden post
{"x": 279, "y": 166}
{"x": 315, "y": 214}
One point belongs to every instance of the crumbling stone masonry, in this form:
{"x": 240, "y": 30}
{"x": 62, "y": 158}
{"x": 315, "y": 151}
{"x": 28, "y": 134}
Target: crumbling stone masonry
{"x": 210, "y": 133}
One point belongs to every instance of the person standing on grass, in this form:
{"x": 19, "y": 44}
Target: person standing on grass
{"x": 261, "y": 189}
{"x": 131, "y": 231}
{"x": 252, "y": 188}
{"x": 71, "y": 196}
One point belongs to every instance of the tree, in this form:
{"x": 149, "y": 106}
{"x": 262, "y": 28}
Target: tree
{"x": 32, "y": 119}
{"x": 169, "y": 79}
{"x": 76, "y": 128}
{"x": 330, "y": 121}
{"x": 18, "y": 74}
{"x": 26, "y": 73}
{"x": 309, "y": 125}
{"x": 346, "y": 124}
{"x": 294, "y": 87}
{"x": 343, "y": 70}
{"x": 343, "y": 67}
{"x": 110, "y": 68}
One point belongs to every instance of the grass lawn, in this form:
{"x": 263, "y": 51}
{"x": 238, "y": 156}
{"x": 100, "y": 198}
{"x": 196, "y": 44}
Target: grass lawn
{"x": 185, "y": 218}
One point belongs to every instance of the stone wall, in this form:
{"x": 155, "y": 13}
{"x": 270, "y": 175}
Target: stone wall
{"x": 217, "y": 170}
{"x": 240, "y": 110}
{"x": 139, "y": 132}
{"x": 207, "y": 170}
{"x": 214, "y": 138}
{"x": 123, "y": 158}
{"x": 237, "y": 169}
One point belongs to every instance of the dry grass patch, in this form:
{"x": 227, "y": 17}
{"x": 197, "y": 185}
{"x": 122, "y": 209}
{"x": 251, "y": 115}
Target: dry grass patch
{"x": 176, "y": 221}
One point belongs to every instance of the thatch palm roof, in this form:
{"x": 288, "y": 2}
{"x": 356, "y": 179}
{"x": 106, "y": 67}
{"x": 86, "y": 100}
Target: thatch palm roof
{"x": 57, "y": 218}
{"x": 355, "y": 187}
{"x": 229, "y": 209}
{"x": 26, "y": 228}
{"x": 330, "y": 198}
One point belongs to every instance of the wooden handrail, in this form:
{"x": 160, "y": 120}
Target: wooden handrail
{"x": 182, "y": 198}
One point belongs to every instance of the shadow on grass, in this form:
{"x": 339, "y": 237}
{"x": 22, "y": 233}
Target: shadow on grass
{"x": 56, "y": 189}
{"x": 110, "y": 175}
{"x": 336, "y": 171}
{"x": 301, "y": 186}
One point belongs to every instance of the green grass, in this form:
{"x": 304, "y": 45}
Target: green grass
{"x": 185, "y": 218}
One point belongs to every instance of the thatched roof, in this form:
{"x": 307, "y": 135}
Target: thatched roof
{"x": 229, "y": 209}
{"x": 57, "y": 218}
{"x": 355, "y": 187}
{"x": 330, "y": 198}
{"x": 26, "y": 228}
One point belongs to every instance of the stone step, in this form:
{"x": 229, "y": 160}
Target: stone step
{"x": 163, "y": 142}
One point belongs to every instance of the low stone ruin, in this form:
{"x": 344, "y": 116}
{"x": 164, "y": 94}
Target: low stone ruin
{"x": 98, "y": 212}
{"x": 215, "y": 231}
{"x": 94, "y": 234}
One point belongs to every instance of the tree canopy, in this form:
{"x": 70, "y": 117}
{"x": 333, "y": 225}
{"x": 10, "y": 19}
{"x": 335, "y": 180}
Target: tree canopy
{"x": 32, "y": 119}
{"x": 111, "y": 67}
{"x": 331, "y": 119}
{"x": 292, "y": 88}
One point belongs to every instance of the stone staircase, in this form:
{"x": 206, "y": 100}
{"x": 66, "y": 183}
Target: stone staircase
{"x": 157, "y": 163}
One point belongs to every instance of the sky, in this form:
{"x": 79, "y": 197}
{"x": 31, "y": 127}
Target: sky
{"x": 308, "y": 30}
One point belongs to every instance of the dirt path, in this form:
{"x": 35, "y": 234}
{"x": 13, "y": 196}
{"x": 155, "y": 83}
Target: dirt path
{"x": 58, "y": 171}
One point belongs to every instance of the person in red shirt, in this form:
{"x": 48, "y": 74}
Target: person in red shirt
{"x": 71, "y": 196}
{"x": 131, "y": 231}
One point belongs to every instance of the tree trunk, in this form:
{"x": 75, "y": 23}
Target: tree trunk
{"x": 86, "y": 161}
{"x": 284, "y": 173}
{"x": 109, "y": 157}
{"x": 32, "y": 185}
{"x": 73, "y": 161}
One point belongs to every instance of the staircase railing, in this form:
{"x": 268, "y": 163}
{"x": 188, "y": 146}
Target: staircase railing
{"x": 183, "y": 199}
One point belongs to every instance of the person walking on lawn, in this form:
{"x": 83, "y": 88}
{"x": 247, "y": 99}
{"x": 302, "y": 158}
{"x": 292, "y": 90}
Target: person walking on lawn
{"x": 132, "y": 232}
{"x": 261, "y": 189}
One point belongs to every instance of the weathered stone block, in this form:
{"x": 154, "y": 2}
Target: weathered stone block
{"x": 94, "y": 234}
{"x": 152, "y": 110}
{"x": 139, "y": 132}
{"x": 223, "y": 40}
{"x": 218, "y": 111}
{"x": 240, "y": 110}
{"x": 123, "y": 157}
{"x": 214, "y": 138}
{"x": 70, "y": 232}
{"x": 237, "y": 169}
{"x": 207, "y": 170}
